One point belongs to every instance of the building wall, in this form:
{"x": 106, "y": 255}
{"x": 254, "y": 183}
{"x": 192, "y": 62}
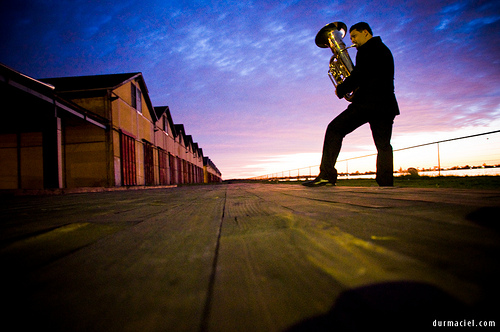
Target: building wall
{"x": 83, "y": 152}
{"x": 166, "y": 142}
{"x": 8, "y": 161}
{"x": 136, "y": 124}
{"x": 21, "y": 161}
{"x": 89, "y": 151}
{"x": 210, "y": 172}
{"x": 173, "y": 145}
{"x": 31, "y": 159}
{"x": 210, "y": 175}
{"x": 97, "y": 105}
{"x": 86, "y": 161}
{"x": 116, "y": 155}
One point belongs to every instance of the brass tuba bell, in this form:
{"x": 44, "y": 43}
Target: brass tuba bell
{"x": 341, "y": 66}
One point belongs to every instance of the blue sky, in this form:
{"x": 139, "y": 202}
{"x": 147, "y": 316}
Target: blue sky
{"x": 246, "y": 78}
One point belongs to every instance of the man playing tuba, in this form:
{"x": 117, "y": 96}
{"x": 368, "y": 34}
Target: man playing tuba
{"x": 373, "y": 102}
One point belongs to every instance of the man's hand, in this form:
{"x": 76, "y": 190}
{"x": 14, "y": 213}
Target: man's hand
{"x": 337, "y": 92}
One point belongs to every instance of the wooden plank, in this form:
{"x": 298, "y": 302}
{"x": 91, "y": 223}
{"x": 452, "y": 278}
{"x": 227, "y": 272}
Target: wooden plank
{"x": 286, "y": 252}
{"x": 154, "y": 260}
{"x": 429, "y": 226}
{"x": 151, "y": 276}
{"x": 264, "y": 282}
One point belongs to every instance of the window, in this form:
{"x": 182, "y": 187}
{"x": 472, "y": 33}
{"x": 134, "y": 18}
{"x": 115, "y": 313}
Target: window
{"x": 139, "y": 101}
{"x": 133, "y": 93}
{"x": 136, "y": 98}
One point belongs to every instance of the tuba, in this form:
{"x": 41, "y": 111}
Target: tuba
{"x": 340, "y": 63}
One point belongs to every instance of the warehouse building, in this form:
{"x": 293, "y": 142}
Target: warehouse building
{"x": 92, "y": 131}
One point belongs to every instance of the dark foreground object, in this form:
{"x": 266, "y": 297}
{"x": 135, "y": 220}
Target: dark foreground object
{"x": 250, "y": 257}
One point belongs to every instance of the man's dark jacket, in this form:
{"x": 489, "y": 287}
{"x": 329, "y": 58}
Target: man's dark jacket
{"x": 373, "y": 77}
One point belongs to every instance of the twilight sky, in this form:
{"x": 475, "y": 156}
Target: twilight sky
{"x": 247, "y": 80}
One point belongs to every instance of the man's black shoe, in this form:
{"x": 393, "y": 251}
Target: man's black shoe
{"x": 318, "y": 182}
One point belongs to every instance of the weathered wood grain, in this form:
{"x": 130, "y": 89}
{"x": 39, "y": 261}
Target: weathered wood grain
{"x": 151, "y": 275}
{"x": 246, "y": 257}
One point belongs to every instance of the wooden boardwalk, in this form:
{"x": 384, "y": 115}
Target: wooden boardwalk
{"x": 249, "y": 257}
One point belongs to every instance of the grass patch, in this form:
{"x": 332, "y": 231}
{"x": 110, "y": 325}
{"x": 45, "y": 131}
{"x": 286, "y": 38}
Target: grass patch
{"x": 410, "y": 181}
{"x": 449, "y": 181}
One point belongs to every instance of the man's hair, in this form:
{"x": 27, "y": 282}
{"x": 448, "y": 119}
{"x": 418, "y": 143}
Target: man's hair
{"x": 360, "y": 27}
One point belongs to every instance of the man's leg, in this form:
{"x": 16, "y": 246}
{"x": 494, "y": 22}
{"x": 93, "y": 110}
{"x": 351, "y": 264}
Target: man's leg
{"x": 345, "y": 123}
{"x": 382, "y": 132}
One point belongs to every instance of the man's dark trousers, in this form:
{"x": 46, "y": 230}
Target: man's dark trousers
{"x": 346, "y": 122}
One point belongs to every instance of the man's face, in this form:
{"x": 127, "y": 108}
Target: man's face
{"x": 358, "y": 38}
